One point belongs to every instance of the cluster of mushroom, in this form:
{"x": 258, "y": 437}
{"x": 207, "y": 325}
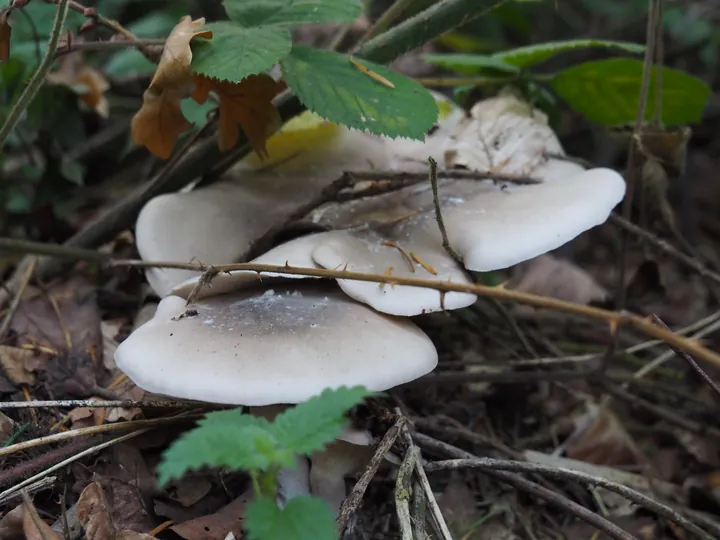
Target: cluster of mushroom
{"x": 280, "y": 340}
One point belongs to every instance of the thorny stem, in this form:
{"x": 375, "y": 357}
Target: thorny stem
{"x": 438, "y": 212}
{"x": 35, "y": 82}
{"x": 613, "y": 318}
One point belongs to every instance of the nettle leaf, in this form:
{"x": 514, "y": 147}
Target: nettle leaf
{"x": 223, "y": 439}
{"x": 607, "y": 92}
{"x": 330, "y": 85}
{"x": 310, "y": 425}
{"x": 469, "y": 63}
{"x": 288, "y": 12}
{"x": 523, "y": 57}
{"x": 302, "y": 518}
{"x": 235, "y": 52}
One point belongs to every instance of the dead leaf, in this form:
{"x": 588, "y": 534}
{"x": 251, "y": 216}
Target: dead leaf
{"x": 190, "y": 489}
{"x": 87, "y": 82}
{"x": 248, "y": 104}
{"x": 98, "y": 520}
{"x": 74, "y": 327}
{"x": 557, "y": 278}
{"x": 11, "y": 524}
{"x": 7, "y": 428}
{"x": 20, "y": 364}
{"x": 160, "y": 121}
{"x": 216, "y": 526}
{"x": 605, "y": 441}
{"x": 5, "y": 32}
{"x": 36, "y": 529}
{"x": 458, "y": 506}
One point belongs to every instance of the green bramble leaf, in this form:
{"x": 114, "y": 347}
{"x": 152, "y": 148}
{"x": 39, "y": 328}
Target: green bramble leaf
{"x": 330, "y": 85}
{"x": 308, "y": 426}
{"x": 287, "y": 12}
{"x": 302, "y": 518}
{"x": 524, "y": 57}
{"x": 224, "y": 439}
{"x": 607, "y": 92}
{"x": 234, "y": 52}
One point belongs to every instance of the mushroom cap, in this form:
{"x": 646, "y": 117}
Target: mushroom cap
{"x": 284, "y": 346}
{"x": 360, "y": 251}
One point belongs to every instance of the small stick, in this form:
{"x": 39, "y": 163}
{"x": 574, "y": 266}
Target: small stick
{"x": 16, "y": 299}
{"x": 690, "y": 360}
{"x": 352, "y": 502}
{"x": 125, "y": 403}
{"x": 29, "y": 507}
{"x": 402, "y": 492}
{"x": 433, "y": 174}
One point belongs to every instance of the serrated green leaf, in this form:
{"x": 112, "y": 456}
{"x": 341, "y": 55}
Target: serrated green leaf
{"x": 235, "y": 52}
{"x": 330, "y": 85}
{"x": 308, "y": 426}
{"x": 524, "y": 57}
{"x": 288, "y": 12}
{"x": 302, "y": 518}
{"x": 607, "y": 92}
{"x": 224, "y": 439}
{"x": 470, "y": 63}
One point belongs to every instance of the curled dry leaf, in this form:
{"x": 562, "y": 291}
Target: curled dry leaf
{"x": 94, "y": 513}
{"x": 87, "y": 82}
{"x": 5, "y": 32}
{"x": 11, "y": 524}
{"x": 159, "y": 122}
{"x": 20, "y": 364}
{"x": 247, "y": 103}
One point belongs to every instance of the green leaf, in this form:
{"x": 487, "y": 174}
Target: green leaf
{"x": 223, "y": 439}
{"x": 470, "y": 63}
{"x": 303, "y": 518}
{"x": 330, "y": 85}
{"x": 308, "y": 426}
{"x": 523, "y": 57}
{"x": 287, "y": 12}
{"x": 607, "y": 92}
{"x": 235, "y": 52}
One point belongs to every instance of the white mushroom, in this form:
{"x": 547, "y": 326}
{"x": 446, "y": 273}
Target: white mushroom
{"x": 218, "y": 223}
{"x": 262, "y": 348}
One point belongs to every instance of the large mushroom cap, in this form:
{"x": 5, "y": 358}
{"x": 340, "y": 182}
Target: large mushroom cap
{"x": 282, "y": 346}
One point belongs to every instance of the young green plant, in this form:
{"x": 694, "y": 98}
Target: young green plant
{"x": 240, "y": 441}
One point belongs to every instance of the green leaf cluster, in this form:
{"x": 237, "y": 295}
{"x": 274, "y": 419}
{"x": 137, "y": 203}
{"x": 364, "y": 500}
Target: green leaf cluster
{"x": 604, "y": 91}
{"x": 244, "y": 442}
{"x": 328, "y": 83}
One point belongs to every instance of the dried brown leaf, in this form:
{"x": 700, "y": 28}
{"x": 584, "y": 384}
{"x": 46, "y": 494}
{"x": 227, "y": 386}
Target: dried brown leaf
{"x": 87, "y": 82}
{"x": 11, "y": 524}
{"x": 160, "y": 121}
{"x": 5, "y": 32}
{"x": 34, "y": 527}
{"x": 7, "y": 428}
{"x": 605, "y": 441}
{"x": 18, "y": 364}
{"x": 190, "y": 489}
{"x": 549, "y": 276}
{"x": 247, "y": 104}
{"x": 216, "y": 526}
{"x": 459, "y": 507}
{"x": 94, "y": 513}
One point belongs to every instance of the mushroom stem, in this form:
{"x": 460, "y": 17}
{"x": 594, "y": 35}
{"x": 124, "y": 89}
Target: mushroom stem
{"x": 329, "y": 467}
{"x": 293, "y": 483}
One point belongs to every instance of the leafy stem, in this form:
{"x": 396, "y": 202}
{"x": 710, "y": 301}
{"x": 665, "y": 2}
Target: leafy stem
{"x": 38, "y": 77}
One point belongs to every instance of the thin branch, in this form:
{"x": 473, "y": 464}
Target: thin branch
{"x": 402, "y": 492}
{"x": 690, "y": 360}
{"x": 665, "y": 247}
{"x": 29, "y": 507}
{"x": 433, "y": 177}
{"x": 94, "y": 430}
{"x": 127, "y": 403}
{"x": 16, "y": 300}
{"x": 352, "y": 502}
{"x": 37, "y": 79}
{"x": 562, "y": 473}
{"x": 106, "y": 45}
